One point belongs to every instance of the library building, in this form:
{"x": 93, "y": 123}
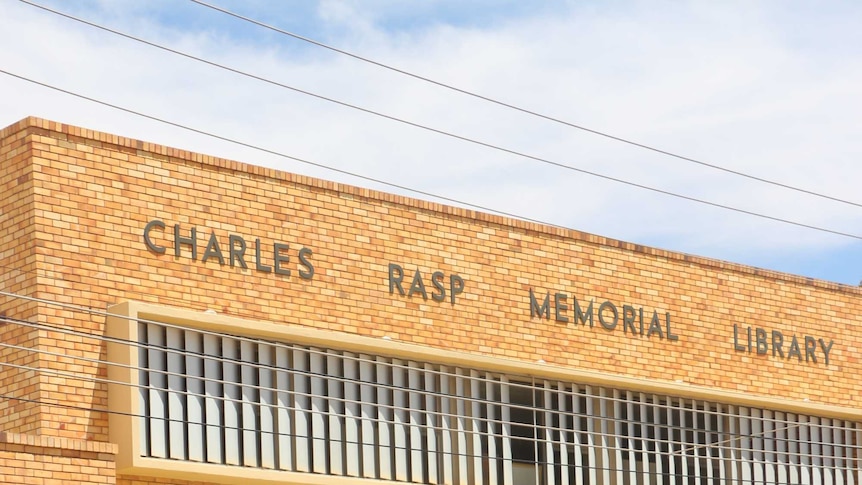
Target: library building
{"x": 173, "y": 318}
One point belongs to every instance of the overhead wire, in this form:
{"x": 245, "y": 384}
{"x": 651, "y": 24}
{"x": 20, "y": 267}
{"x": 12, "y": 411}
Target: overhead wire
{"x": 681, "y": 452}
{"x": 530, "y": 112}
{"x": 417, "y": 191}
{"x": 271, "y": 152}
{"x": 402, "y": 187}
{"x": 376, "y": 113}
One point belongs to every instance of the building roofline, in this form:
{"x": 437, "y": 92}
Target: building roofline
{"x": 35, "y": 125}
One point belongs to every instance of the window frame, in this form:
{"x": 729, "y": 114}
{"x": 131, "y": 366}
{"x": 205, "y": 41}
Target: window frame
{"x": 125, "y": 431}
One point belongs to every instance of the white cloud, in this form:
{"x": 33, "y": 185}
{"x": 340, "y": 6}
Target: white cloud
{"x": 749, "y": 87}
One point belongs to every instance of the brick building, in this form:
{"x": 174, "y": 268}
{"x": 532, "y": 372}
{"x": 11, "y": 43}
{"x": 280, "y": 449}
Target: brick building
{"x": 170, "y": 317}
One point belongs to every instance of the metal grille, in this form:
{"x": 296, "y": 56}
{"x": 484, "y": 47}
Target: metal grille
{"x": 212, "y": 398}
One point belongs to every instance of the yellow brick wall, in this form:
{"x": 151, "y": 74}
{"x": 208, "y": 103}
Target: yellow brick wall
{"x": 17, "y": 275}
{"x": 94, "y": 193}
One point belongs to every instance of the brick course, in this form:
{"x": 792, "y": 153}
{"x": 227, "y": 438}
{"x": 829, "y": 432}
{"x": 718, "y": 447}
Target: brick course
{"x": 28, "y": 459}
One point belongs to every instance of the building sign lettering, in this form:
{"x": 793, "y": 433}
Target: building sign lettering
{"x": 763, "y": 342}
{"x": 418, "y": 286}
{"x": 267, "y": 258}
{"x": 634, "y": 320}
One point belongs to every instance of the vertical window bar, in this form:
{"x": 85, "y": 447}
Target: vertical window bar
{"x": 593, "y": 439}
{"x": 416, "y": 401}
{"x": 781, "y": 427}
{"x": 399, "y": 401}
{"x": 371, "y": 445}
{"x": 319, "y": 408}
{"x": 176, "y": 394}
{"x": 353, "y": 454}
{"x": 633, "y": 431}
{"x": 477, "y": 422}
{"x": 675, "y": 443}
{"x": 717, "y": 443}
{"x": 793, "y": 450}
{"x": 848, "y": 452}
{"x": 579, "y": 438}
{"x": 335, "y": 368}
{"x": 144, "y": 392}
{"x": 462, "y": 426}
{"x": 721, "y": 437}
{"x": 249, "y": 378}
{"x": 805, "y": 450}
{"x": 506, "y": 418}
{"x": 232, "y": 407}
{"x": 686, "y": 427}
{"x": 840, "y": 448}
{"x": 816, "y": 450}
{"x": 448, "y": 433}
{"x": 829, "y": 451}
{"x": 268, "y": 436}
{"x": 492, "y": 394}
{"x": 433, "y": 424}
{"x": 733, "y": 444}
{"x": 302, "y": 414}
{"x": 606, "y": 440}
{"x": 548, "y": 438}
{"x": 386, "y": 418}
{"x": 699, "y": 444}
{"x": 704, "y": 424}
{"x": 195, "y": 386}
{"x": 615, "y": 413}
{"x": 769, "y": 437}
{"x": 747, "y": 445}
{"x": 658, "y": 447}
{"x": 854, "y": 443}
{"x": 653, "y": 459}
{"x": 539, "y": 464}
{"x": 158, "y": 395}
{"x": 214, "y": 402}
{"x": 833, "y": 451}
{"x": 284, "y": 414}
{"x": 566, "y": 424}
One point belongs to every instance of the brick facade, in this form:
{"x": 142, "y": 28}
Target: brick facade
{"x": 76, "y": 202}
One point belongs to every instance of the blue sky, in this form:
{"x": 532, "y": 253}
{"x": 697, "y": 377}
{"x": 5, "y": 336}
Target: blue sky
{"x": 766, "y": 88}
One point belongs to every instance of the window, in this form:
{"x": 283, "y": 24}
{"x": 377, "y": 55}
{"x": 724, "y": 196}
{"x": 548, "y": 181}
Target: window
{"x": 217, "y": 399}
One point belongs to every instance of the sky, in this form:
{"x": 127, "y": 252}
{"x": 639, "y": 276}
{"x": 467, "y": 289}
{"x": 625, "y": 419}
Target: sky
{"x": 769, "y": 88}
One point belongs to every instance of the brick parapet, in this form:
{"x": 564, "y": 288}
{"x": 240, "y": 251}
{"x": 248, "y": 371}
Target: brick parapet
{"x": 95, "y": 192}
{"x": 130, "y": 146}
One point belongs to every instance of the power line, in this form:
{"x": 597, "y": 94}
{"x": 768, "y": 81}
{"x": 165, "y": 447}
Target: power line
{"x": 428, "y": 194}
{"x": 377, "y": 113}
{"x": 272, "y": 152}
{"x": 681, "y": 452}
{"x": 520, "y": 109}
{"x": 366, "y": 110}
